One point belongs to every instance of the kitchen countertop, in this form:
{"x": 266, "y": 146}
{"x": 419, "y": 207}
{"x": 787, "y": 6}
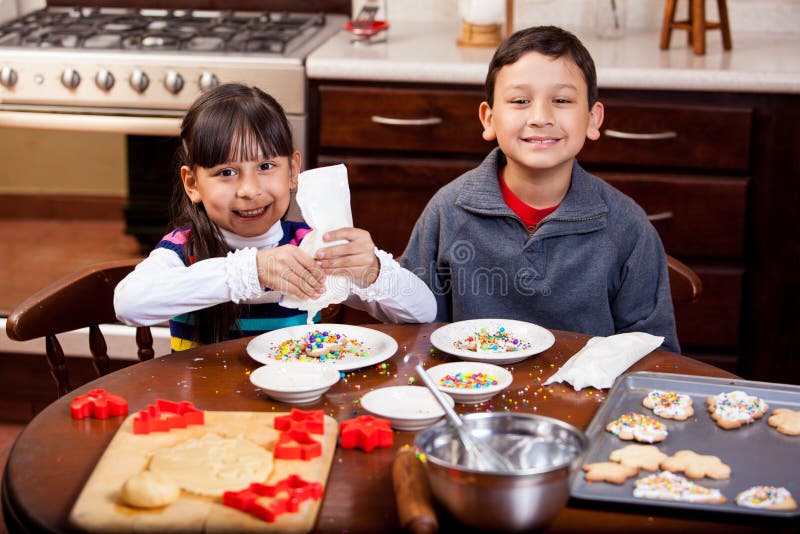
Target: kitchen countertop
{"x": 426, "y": 52}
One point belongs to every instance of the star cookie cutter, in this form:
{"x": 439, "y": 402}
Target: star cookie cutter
{"x": 366, "y": 433}
{"x": 179, "y": 415}
{"x": 311, "y": 421}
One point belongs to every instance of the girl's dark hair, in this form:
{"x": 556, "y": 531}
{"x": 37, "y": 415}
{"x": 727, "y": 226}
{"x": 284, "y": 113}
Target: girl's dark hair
{"x": 547, "y": 40}
{"x": 227, "y": 123}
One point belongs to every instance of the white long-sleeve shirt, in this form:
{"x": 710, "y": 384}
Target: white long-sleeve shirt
{"x": 162, "y": 287}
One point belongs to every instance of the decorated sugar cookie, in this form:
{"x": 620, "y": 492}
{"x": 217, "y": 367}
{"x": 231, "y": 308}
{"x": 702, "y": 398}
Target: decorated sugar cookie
{"x": 669, "y": 404}
{"x": 637, "y": 426}
{"x": 672, "y": 487}
{"x": 736, "y": 408}
{"x": 768, "y": 497}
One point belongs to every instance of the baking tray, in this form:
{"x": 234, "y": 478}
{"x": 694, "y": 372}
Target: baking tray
{"x": 757, "y": 453}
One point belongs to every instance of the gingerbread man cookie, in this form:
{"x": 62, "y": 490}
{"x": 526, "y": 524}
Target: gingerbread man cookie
{"x": 695, "y": 465}
{"x": 639, "y": 456}
{"x": 736, "y": 408}
{"x": 669, "y": 405}
{"x": 613, "y": 472}
{"x": 637, "y": 426}
{"x": 786, "y": 421}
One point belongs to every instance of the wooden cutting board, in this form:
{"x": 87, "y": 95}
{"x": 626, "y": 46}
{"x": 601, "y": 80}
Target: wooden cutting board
{"x": 99, "y": 508}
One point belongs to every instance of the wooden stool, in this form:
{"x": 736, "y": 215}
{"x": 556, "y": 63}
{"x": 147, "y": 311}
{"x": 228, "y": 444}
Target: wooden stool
{"x": 696, "y": 25}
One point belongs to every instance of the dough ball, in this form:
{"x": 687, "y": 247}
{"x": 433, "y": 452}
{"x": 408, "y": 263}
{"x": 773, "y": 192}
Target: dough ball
{"x": 149, "y": 490}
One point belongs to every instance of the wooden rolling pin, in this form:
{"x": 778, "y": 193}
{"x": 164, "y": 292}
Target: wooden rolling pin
{"x": 414, "y": 503}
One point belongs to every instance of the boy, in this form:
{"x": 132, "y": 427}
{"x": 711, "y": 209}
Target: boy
{"x": 529, "y": 234}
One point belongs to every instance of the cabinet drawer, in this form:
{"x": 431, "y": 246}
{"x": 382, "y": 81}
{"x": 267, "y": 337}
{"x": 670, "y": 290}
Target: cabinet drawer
{"x": 713, "y": 320}
{"x": 696, "y": 137}
{"x": 694, "y": 215}
{"x": 426, "y": 120}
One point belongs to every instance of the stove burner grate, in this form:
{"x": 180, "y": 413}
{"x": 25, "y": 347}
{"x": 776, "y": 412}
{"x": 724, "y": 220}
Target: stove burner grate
{"x": 153, "y": 30}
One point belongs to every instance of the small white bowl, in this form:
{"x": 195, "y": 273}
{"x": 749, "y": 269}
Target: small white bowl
{"x": 295, "y": 382}
{"x": 474, "y": 395}
{"x": 406, "y": 407}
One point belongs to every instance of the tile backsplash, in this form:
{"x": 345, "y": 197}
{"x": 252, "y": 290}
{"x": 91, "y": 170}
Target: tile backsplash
{"x": 769, "y": 16}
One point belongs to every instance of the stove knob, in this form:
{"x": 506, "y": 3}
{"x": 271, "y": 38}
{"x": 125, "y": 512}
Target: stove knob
{"x": 139, "y": 80}
{"x": 8, "y": 77}
{"x": 208, "y": 80}
{"x": 70, "y": 78}
{"x": 173, "y": 82}
{"x": 104, "y": 80}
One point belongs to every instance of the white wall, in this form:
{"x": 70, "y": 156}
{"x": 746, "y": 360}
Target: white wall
{"x": 773, "y": 16}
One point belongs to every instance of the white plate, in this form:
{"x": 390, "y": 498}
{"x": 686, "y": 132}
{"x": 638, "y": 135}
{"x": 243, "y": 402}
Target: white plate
{"x": 378, "y": 345}
{"x": 295, "y": 382}
{"x": 406, "y": 407}
{"x": 471, "y": 395}
{"x": 540, "y": 339}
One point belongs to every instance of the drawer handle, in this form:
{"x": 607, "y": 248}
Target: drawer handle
{"x": 429, "y": 121}
{"x": 641, "y": 136}
{"x": 660, "y": 216}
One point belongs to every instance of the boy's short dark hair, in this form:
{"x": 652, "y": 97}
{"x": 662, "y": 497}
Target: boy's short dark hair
{"x": 549, "y": 41}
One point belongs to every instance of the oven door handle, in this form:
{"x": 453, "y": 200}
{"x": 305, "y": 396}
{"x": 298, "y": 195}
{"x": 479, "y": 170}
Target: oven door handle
{"x": 125, "y": 124}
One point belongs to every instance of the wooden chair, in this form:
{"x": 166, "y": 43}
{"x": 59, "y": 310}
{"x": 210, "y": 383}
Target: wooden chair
{"x": 79, "y": 300}
{"x": 684, "y": 284}
{"x": 696, "y": 25}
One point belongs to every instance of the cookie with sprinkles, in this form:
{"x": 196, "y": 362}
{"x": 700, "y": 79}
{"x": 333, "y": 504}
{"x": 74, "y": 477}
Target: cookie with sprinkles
{"x": 639, "y": 427}
{"x": 786, "y": 421}
{"x": 766, "y": 497}
{"x": 669, "y": 404}
{"x": 735, "y": 408}
{"x": 319, "y": 345}
{"x": 484, "y": 340}
{"x": 671, "y": 487}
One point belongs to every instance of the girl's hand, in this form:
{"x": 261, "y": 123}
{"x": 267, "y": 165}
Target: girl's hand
{"x": 291, "y": 271}
{"x": 355, "y": 259}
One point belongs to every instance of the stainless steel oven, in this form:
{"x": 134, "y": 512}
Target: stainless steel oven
{"x": 135, "y": 70}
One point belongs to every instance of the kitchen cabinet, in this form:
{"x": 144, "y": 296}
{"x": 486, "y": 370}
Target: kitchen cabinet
{"x": 715, "y": 171}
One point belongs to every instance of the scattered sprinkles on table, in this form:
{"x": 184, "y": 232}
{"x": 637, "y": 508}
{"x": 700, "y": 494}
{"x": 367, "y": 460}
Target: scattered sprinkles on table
{"x": 320, "y": 345}
{"x": 669, "y": 486}
{"x": 484, "y": 340}
{"x": 462, "y": 380}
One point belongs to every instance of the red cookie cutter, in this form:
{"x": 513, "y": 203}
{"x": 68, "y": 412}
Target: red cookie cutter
{"x": 99, "y": 404}
{"x": 366, "y": 433}
{"x": 297, "y": 445}
{"x": 181, "y": 415}
{"x": 297, "y": 490}
{"x": 308, "y": 421}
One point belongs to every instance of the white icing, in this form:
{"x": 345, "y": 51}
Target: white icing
{"x": 666, "y": 485}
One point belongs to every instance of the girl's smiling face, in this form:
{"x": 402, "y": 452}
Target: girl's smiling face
{"x": 244, "y": 197}
{"x": 540, "y": 115}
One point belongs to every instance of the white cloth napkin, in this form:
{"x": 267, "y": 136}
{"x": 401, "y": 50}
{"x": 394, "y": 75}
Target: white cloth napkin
{"x": 323, "y": 196}
{"x": 603, "y": 359}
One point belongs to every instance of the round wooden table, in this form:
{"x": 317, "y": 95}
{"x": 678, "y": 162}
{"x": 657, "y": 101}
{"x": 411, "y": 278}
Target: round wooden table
{"x": 55, "y": 454}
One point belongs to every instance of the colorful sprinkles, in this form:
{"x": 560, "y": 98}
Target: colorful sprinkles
{"x": 500, "y": 340}
{"x": 738, "y": 406}
{"x": 320, "y": 345}
{"x": 462, "y": 380}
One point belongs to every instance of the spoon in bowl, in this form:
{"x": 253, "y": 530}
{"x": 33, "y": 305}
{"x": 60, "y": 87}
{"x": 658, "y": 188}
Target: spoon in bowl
{"x": 479, "y": 454}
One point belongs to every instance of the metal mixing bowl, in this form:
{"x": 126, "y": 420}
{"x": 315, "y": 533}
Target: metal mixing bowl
{"x": 543, "y": 451}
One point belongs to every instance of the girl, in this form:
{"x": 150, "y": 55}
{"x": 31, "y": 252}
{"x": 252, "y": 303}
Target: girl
{"x": 211, "y": 276}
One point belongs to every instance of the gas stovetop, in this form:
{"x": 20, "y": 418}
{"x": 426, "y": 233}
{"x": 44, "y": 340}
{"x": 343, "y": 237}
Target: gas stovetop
{"x": 161, "y": 29}
{"x": 148, "y": 59}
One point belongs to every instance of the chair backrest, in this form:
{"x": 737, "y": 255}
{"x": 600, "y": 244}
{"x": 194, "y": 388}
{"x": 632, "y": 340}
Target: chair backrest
{"x": 79, "y": 300}
{"x": 684, "y": 284}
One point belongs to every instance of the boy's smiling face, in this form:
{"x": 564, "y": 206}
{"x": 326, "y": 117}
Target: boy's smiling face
{"x": 540, "y": 116}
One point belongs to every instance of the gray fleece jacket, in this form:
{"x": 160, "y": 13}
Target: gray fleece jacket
{"x": 595, "y": 265}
